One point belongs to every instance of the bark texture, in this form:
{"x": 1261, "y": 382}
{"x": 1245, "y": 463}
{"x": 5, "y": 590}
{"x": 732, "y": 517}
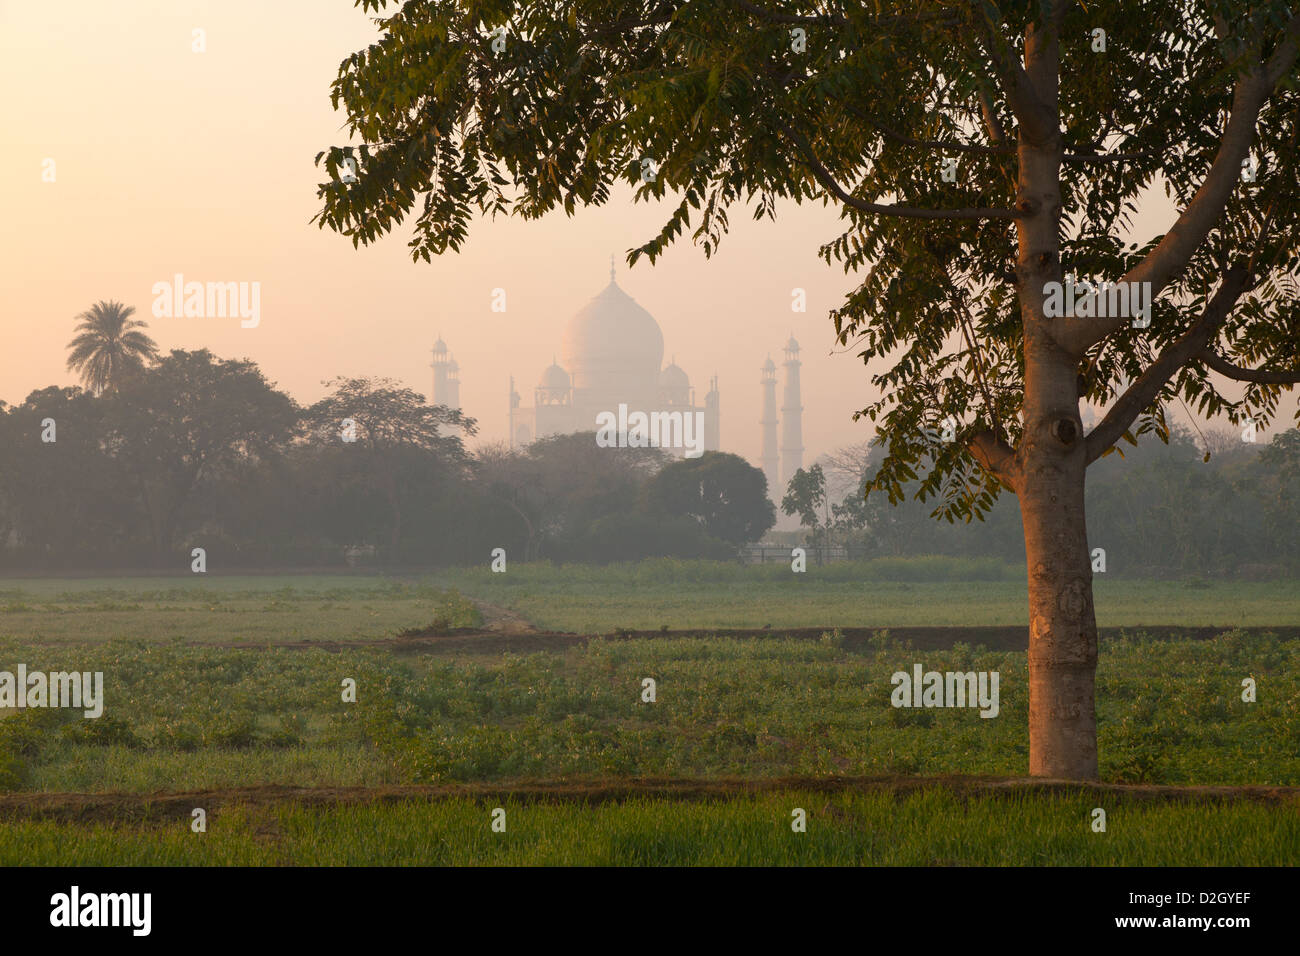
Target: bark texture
{"x": 1052, "y": 456}
{"x": 1062, "y": 621}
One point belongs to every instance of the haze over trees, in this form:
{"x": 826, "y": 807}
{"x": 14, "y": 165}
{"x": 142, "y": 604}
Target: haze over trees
{"x": 190, "y": 450}
{"x": 1161, "y": 511}
{"x": 1052, "y": 120}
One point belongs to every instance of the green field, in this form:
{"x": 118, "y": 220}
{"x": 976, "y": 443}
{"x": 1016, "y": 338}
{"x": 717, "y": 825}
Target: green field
{"x": 585, "y": 599}
{"x": 223, "y": 610}
{"x": 883, "y": 593}
{"x": 925, "y": 829}
{"x": 212, "y": 685}
{"x": 180, "y": 716}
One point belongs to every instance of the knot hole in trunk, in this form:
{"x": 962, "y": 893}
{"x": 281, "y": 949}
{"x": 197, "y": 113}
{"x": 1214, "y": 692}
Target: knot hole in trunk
{"x": 1065, "y": 430}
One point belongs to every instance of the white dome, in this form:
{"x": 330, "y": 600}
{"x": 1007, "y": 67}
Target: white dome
{"x": 613, "y": 344}
{"x": 554, "y": 378}
{"x": 673, "y": 377}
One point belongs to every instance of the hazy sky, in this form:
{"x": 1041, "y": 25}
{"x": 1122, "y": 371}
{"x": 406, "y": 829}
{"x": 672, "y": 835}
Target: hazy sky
{"x": 170, "y": 161}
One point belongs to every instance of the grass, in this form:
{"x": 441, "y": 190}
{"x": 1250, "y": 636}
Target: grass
{"x": 848, "y": 829}
{"x": 225, "y": 610}
{"x": 585, "y": 599}
{"x": 882, "y": 593}
{"x": 180, "y": 717}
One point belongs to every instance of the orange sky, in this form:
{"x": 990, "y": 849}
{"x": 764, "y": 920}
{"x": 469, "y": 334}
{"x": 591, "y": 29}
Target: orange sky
{"x": 173, "y": 161}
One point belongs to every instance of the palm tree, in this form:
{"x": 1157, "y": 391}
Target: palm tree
{"x": 108, "y": 345}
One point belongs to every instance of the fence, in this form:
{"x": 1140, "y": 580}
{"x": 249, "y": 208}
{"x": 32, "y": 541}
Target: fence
{"x": 762, "y": 554}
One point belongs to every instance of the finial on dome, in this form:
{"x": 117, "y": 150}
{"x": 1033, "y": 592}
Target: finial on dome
{"x": 611, "y": 267}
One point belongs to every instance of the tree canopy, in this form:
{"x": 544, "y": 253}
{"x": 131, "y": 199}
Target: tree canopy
{"x": 109, "y": 345}
{"x": 723, "y": 492}
{"x": 523, "y": 108}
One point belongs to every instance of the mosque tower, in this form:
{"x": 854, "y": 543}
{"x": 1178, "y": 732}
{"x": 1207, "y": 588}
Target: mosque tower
{"x": 791, "y": 415}
{"x": 514, "y": 412}
{"x": 713, "y": 417}
{"x": 453, "y": 386}
{"x": 769, "y": 422}
{"x": 446, "y": 376}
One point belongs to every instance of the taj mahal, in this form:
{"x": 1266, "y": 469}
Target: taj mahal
{"x": 611, "y": 353}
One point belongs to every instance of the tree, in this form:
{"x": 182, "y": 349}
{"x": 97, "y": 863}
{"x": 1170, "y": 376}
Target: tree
{"x": 1281, "y": 492}
{"x": 61, "y": 499}
{"x": 512, "y": 477}
{"x": 978, "y": 154}
{"x": 845, "y": 468}
{"x": 109, "y": 344}
{"x": 392, "y": 441}
{"x": 560, "y": 485}
{"x": 805, "y": 493}
{"x": 724, "y": 493}
{"x": 183, "y": 421}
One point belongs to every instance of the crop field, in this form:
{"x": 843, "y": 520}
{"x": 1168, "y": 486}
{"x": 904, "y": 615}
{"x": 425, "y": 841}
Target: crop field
{"x": 221, "y": 691}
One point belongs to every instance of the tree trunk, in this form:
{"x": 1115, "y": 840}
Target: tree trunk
{"x": 1052, "y": 457}
{"x": 1062, "y": 621}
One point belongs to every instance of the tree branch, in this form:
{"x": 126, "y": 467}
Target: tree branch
{"x": 992, "y": 122}
{"x": 996, "y": 457}
{"x": 1175, "y": 250}
{"x": 1285, "y": 55}
{"x": 823, "y": 176}
{"x": 1236, "y": 282}
{"x": 1037, "y": 121}
{"x": 1240, "y": 374}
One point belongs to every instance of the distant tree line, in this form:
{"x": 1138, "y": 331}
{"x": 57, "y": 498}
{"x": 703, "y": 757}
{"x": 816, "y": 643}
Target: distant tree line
{"x": 1198, "y": 504}
{"x": 161, "y": 454}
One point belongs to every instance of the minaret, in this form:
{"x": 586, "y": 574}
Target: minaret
{"x": 441, "y": 366}
{"x": 514, "y": 405}
{"x": 712, "y": 417}
{"x": 453, "y": 385}
{"x": 791, "y": 415}
{"x": 768, "y": 421}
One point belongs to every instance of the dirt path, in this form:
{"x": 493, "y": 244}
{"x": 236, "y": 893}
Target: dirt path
{"x": 165, "y": 807}
{"x": 502, "y": 620}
